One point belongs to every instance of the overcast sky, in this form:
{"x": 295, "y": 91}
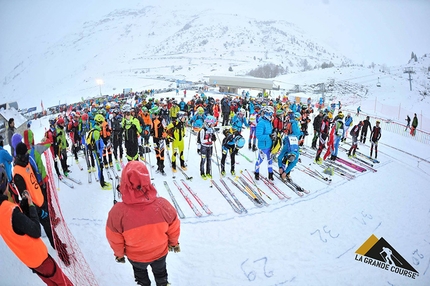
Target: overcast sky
{"x": 383, "y": 31}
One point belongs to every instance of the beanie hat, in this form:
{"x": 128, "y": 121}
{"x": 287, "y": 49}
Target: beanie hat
{"x": 136, "y": 184}
{"x": 21, "y": 149}
{"x": 28, "y": 138}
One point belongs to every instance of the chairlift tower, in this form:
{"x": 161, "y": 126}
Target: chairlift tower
{"x": 409, "y": 70}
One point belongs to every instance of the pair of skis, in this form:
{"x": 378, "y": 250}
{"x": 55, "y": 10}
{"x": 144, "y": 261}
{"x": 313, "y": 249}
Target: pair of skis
{"x": 68, "y": 181}
{"x": 196, "y": 197}
{"x": 292, "y": 185}
{"x": 236, "y": 205}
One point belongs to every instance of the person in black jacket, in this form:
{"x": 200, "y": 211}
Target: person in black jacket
{"x": 225, "y": 110}
{"x": 317, "y": 127}
{"x": 366, "y": 125}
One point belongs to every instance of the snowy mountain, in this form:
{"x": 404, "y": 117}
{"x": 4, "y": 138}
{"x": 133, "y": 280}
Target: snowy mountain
{"x": 55, "y": 51}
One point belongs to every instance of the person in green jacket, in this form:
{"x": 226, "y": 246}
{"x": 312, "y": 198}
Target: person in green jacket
{"x": 62, "y": 145}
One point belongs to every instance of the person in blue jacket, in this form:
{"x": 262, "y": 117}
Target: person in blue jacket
{"x": 239, "y": 119}
{"x": 289, "y": 156}
{"x": 6, "y": 159}
{"x": 263, "y": 133}
{"x": 339, "y": 134}
{"x": 348, "y": 124}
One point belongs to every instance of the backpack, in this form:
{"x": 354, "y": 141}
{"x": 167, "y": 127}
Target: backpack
{"x": 89, "y": 138}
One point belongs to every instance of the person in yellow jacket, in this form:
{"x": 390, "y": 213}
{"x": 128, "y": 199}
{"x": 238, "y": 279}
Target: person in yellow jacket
{"x": 176, "y": 133}
{"x": 173, "y": 112}
{"x": 22, "y": 235}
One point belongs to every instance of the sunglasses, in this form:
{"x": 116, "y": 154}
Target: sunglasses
{"x": 128, "y": 113}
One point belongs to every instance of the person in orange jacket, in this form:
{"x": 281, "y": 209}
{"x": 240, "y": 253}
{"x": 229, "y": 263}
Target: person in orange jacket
{"x": 143, "y": 227}
{"x": 21, "y": 233}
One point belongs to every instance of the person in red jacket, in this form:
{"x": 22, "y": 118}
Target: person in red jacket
{"x": 144, "y": 227}
{"x": 21, "y": 233}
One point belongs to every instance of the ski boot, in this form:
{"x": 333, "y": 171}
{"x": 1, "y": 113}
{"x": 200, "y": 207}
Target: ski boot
{"x": 209, "y": 176}
{"x": 254, "y": 148}
{"x": 271, "y": 177}
{"x": 203, "y": 176}
{"x": 249, "y": 146}
{"x": 107, "y": 186}
{"x": 257, "y": 176}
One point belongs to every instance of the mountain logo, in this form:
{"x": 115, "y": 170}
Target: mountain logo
{"x": 379, "y": 253}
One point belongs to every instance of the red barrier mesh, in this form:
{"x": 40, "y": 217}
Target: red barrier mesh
{"x": 71, "y": 261}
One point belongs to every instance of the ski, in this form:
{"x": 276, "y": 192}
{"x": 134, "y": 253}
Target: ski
{"x": 115, "y": 174}
{"x": 185, "y": 174}
{"x": 298, "y": 192}
{"x": 90, "y": 178}
{"x": 79, "y": 165}
{"x": 246, "y": 157}
{"x": 109, "y": 175}
{"x": 247, "y": 193}
{"x": 339, "y": 171}
{"x": 350, "y": 164}
{"x": 76, "y": 181}
{"x": 367, "y": 157}
{"x": 364, "y": 164}
{"x": 67, "y": 183}
{"x": 190, "y": 203}
{"x": 175, "y": 203}
{"x": 204, "y": 207}
{"x": 259, "y": 198}
{"x": 278, "y": 192}
{"x": 315, "y": 174}
{"x": 342, "y": 166}
{"x": 236, "y": 200}
{"x": 233, "y": 206}
{"x": 373, "y": 160}
{"x": 299, "y": 188}
{"x": 251, "y": 180}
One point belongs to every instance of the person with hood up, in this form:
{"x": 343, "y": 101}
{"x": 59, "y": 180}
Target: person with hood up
{"x": 143, "y": 227}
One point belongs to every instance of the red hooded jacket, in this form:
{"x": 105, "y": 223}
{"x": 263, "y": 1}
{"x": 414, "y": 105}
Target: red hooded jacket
{"x": 143, "y": 225}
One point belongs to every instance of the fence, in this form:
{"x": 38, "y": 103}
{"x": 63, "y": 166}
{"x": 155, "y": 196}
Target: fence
{"x": 388, "y": 124}
{"x": 394, "y": 113}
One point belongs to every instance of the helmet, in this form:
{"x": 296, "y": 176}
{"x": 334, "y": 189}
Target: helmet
{"x": 297, "y": 115}
{"x": 154, "y": 110}
{"x": 84, "y": 117}
{"x": 99, "y": 118}
{"x": 279, "y": 112}
{"x": 181, "y": 114}
{"x": 340, "y": 115}
{"x": 107, "y": 106}
{"x": 126, "y": 108}
{"x": 144, "y": 109}
{"x": 290, "y": 157}
{"x": 78, "y": 114}
{"x": 239, "y": 142}
{"x": 242, "y": 111}
{"x": 210, "y": 120}
{"x": 60, "y": 121}
{"x": 52, "y": 120}
{"x": 3, "y": 179}
{"x": 200, "y": 110}
{"x": 267, "y": 112}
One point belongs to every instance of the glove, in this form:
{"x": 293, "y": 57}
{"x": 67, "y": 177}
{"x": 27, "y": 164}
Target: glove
{"x": 213, "y": 138}
{"x": 175, "y": 249}
{"x": 164, "y": 135}
{"x": 120, "y": 259}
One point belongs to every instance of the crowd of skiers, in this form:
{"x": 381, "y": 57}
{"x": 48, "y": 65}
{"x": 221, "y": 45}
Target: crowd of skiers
{"x": 108, "y": 134}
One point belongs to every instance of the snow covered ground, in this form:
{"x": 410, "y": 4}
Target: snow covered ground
{"x": 308, "y": 240}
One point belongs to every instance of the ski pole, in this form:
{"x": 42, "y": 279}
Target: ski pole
{"x": 150, "y": 165}
{"x": 217, "y": 160}
{"x": 189, "y": 144}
